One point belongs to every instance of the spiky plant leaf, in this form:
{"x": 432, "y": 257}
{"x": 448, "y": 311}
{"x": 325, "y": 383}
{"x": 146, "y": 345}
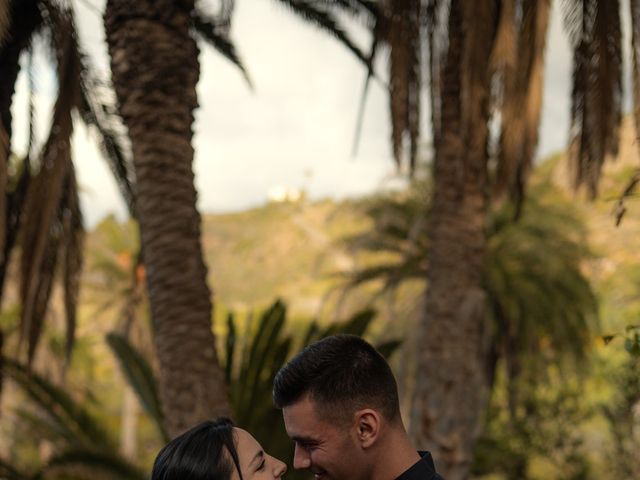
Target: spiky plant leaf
{"x": 77, "y": 425}
{"x": 41, "y": 230}
{"x": 206, "y": 28}
{"x": 99, "y": 112}
{"x": 89, "y": 465}
{"x": 321, "y": 16}
{"x": 140, "y": 378}
{"x": 9, "y": 472}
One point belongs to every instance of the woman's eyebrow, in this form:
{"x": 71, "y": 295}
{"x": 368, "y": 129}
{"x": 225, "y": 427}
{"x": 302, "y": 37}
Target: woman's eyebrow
{"x": 257, "y": 456}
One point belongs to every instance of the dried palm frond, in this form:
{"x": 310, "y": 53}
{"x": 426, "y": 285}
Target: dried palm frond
{"x": 72, "y": 248}
{"x": 522, "y": 101}
{"x": 5, "y": 20}
{"x": 99, "y": 111}
{"x": 479, "y": 21}
{"x": 403, "y": 17}
{"x": 634, "y": 6}
{"x": 595, "y": 33}
{"x": 26, "y": 19}
{"x": 503, "y": 54}
{"x": 436, "y": 29}
{"x": 41, "y": 226}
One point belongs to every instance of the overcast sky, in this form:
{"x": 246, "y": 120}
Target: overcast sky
{"x": 294, "y": 130}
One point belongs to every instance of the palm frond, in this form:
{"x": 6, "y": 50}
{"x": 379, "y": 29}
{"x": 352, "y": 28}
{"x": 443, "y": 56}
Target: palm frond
{"x": 360, "y": 8}
{"x": 208, "y": 30}
{"x": 98, "y": 110}
{"x": 5, "y": 20}
{"x": 437, "y": 42}
{"x": 73, "y": 241}
{"x": 140, "y": 378}
{"x": 634, "y": 6}
{"x": 324, "y": 19}
{"x": 25, "y": 19}
{"x": 523, "y": 90}
{"x": 78, "y": 426}
{"x": 87, "y": 464}
{"x": 15, "y": 206}
{"x": 595, "y": 31}
{"x": 503, "y": 53}
{"x": 41, "y": 230}
{"x": 404, "y": 73}
{"x": 479, "y": 20}
{"x": 365, "y": 89}
{"x": 9, "y": 472}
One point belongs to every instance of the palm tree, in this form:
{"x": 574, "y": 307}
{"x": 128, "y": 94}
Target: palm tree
{"x": 479, "y": 51}
{"x": 486, "y": 62}
{"x": 154, "y": 59}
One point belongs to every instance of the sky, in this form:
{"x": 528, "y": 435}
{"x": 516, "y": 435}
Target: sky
{"x": 294, "y": 130}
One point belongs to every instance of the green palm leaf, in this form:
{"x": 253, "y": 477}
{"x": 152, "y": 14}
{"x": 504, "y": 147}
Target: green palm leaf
{"x": 140, "y": 378}
{"x": 89, "y": 465}
{"x": 61, "y": 413}
{"x": 208, "y": 30}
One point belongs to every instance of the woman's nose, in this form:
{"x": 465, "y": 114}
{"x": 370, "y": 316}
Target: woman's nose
{"x": 279, "y": 468}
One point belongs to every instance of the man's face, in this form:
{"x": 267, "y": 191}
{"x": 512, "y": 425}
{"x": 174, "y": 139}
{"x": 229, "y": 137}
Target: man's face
{"x": 330, "y": 451}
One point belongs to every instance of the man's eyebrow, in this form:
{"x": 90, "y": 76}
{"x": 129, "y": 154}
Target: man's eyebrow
{"x": 257, "y": 456}
{"x": 304, "y": 440}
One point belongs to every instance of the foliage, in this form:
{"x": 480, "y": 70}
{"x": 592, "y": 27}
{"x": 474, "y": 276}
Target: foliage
{"x": 251, "y": 361}
{"x": 541, "y": 303}
{"x": 252, "y": 355}
{"x": 631, "y": 338}
{"x": 623, "y": 420}
{"x": 543, "y": 431}
{"x": 82, "y": 444}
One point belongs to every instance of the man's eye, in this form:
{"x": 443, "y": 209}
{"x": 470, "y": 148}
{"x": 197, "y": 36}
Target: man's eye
{"x": 261, "y": 466}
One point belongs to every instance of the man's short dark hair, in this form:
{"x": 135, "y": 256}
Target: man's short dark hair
{"x": 342, "y": 374}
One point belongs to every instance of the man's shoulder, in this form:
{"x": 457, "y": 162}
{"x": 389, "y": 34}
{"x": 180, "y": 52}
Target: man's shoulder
{"x": 423, "y": 469}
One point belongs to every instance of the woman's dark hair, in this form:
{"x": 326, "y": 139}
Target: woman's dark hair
{"x": 205, "y": 452}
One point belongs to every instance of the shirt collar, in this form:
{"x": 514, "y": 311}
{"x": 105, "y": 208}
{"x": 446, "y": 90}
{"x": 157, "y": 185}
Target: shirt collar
{"x": 423, "y": 469}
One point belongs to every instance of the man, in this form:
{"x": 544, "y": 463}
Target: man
{"x": 339, "y": 400}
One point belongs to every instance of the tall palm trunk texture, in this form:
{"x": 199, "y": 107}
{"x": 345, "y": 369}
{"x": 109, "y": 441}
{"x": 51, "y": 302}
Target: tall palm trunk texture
{"x": 155, "y": 69}
{"x": 452, "y": 384}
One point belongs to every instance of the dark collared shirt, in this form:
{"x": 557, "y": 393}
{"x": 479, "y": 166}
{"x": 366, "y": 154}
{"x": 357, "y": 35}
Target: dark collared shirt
{"x": 423, "y": 469}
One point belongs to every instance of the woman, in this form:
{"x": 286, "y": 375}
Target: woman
{"x": 216, "y": 450}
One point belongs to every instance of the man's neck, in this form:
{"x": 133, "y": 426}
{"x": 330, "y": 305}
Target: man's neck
{"x": 396, "y": 455}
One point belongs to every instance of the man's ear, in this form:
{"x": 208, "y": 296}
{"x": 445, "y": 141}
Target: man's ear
{"x": 367, "y": 423}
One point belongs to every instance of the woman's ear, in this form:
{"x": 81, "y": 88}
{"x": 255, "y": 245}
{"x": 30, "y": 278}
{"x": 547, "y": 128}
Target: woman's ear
{"x": 367, "y": 427}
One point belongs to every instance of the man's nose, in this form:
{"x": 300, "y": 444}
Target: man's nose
{"x": 301, "y": 458}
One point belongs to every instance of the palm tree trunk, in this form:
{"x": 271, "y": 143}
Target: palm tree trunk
{"x": 451, "y": 387}
{"x": 155, "y": 69}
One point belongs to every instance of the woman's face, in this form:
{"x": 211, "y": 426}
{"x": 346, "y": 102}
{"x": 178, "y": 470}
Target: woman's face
{"x": 255, "y": 464}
